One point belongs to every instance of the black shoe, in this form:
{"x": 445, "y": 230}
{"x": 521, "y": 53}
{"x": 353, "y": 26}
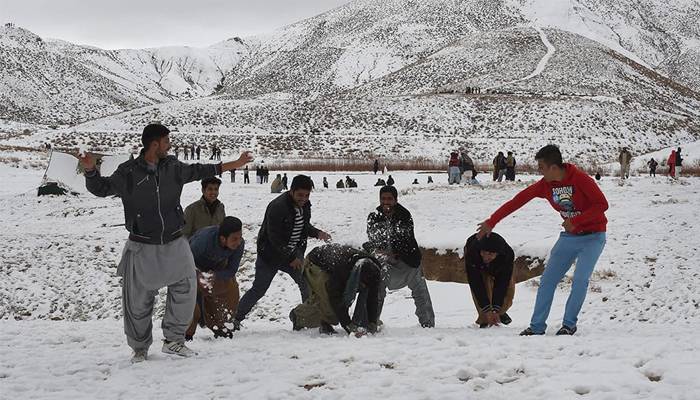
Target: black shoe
{"x": 295, "y": 323}
{"x": 326, "y": 329}
{"x": 530, "y": 332}
{"x": 223, "y": 333}
{"x": 188, "y": 338}
{"x": 565, "y": 330}
{"x": 483, "y": 326}
{"x": 428, "y": 325}
{"x": 505, "y": 319}
{"x": 236, "y": 325}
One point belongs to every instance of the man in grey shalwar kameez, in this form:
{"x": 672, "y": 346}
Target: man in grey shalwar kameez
{"x": 156, "y": 254}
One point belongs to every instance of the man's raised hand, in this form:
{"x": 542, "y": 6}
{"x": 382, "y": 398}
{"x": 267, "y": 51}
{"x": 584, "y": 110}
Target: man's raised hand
{"x": 246, "y": 157}
{"x": 87, "y": 161}
{"x": 484, "y": 229}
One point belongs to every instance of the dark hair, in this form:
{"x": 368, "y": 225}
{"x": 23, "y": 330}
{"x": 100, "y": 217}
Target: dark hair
{"x": 153, "y": 132}
{"x": 490, "y": 243}
{"x": 301, "y": 182}
{"x": 210, "y": 181}
{"x": 230, "y": 225}
{"x": 550, "y": 155}
{"x": 389, "y": 189}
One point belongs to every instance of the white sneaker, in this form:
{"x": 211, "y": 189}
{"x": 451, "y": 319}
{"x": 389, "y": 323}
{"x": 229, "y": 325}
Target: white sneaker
{"x": 177, "y": 348}
{"x": 139, "y": 356}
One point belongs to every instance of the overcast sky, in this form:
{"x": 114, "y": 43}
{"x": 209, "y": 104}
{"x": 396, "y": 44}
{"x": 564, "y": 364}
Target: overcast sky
{"x": 150, "y": 23}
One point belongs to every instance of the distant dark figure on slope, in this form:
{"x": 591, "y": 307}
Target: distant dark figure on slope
{"x": 325, "y": 183}
{"x": 390, "y": 181}
{"x": 380, "y": 182}
{"x": 375, "y": 168}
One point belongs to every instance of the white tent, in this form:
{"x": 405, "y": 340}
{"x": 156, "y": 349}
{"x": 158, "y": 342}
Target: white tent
{"x": 63, "y": 169}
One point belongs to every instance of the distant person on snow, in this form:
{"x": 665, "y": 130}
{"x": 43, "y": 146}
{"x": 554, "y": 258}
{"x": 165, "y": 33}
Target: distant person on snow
{"x": 246, "y": 176}
{"x": 679, "y": 162}
{"x": 430, "y": 179}
{"x": 380, "y": 182}
{"x": 597, "y": 176}
{"x": 282, "y": 243}
{"x": 453, "y": 169}
{"x": 156, "y": 254}
{"x": 652, "y": 167}
{"x": 489, "y": 265}
{"x": 415, "y": 182}
{"x": 325, "y": 183}
{"x": 187, "y": 152}
{"x": 284, "y": 182}
{"x": 277, "y": 186}
{"x": 390, "y": 181}
{"x": 199, "y": 151}
{"x": 625, "y": 159}
{"x": 217, "y": 252}
{"x": 672, "y": 164}
{"x": 510, "y": 167}
{"x": 340, "y": 185}
{"x": 375, "y": 168}
{"x": 500, "y": 166}
{"x": 335, "y": 274}
{"x": 582, "y": 206}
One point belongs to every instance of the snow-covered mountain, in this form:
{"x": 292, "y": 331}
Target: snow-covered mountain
{"x": 51, "y": 81}
{"x": 389, "y": 78}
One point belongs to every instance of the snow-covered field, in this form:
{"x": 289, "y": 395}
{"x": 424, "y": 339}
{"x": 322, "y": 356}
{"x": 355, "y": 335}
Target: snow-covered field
{"x": 61, "y": 333}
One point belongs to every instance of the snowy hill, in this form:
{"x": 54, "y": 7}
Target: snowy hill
{"x": 55, "y": 82}
{"x": 388, "y": 78}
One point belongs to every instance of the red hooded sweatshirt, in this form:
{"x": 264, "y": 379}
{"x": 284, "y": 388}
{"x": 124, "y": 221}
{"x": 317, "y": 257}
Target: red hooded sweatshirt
{"x": 577, "y": 197}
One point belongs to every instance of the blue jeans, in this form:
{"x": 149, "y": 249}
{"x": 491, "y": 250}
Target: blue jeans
{"x": 585, "y": 250}
{"x": 264, "y": 273}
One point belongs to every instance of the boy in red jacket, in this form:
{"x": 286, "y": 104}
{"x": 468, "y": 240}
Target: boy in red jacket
{"x": 582, "y": 206}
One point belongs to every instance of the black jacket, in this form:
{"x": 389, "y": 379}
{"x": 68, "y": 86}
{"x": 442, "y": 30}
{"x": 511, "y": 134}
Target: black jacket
{"x": 403, "y": 239}
{"x": 276, "y": 230}
{"x": 338, "y": 261}
{"x": 501, "y": 268}
{"x": 151, "y": 199}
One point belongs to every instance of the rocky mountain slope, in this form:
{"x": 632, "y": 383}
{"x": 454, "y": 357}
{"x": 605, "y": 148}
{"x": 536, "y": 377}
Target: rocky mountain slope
{"x": 389, "y": 78}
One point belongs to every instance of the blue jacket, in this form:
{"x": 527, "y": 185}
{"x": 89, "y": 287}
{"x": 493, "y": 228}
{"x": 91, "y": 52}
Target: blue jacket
{"x": 209, "y": 256}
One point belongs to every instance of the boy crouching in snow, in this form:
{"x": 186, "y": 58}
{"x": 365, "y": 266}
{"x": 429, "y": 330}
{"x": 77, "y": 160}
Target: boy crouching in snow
{"x": 489, "y": 265}
{"x": 217, "y": 252}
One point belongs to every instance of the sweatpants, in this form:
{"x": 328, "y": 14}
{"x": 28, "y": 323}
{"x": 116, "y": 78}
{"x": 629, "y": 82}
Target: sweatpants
{"x": 585, "y": 250}
{"x": 264, "y": 274}
{"x": 145, "y": 268}
{"x": 217, "y": 302}
{"x": 400, "y": 275}
{"x": 317, "y": 308}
